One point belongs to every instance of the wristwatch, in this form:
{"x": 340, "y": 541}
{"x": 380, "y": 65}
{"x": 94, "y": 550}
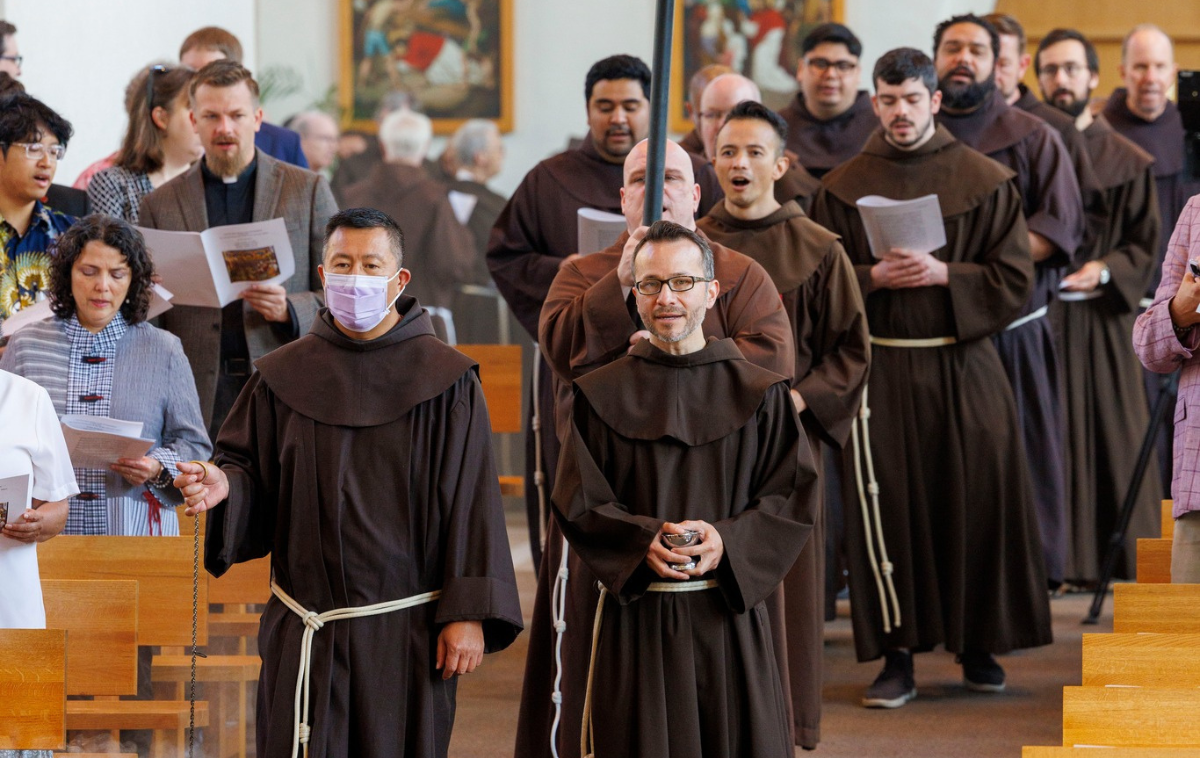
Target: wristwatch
{"x": 1105, "y": 275}
{"x": 163, "y": 479}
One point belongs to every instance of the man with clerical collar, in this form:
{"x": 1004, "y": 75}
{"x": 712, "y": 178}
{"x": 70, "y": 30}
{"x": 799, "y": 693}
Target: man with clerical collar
{"x": 537, "y": 232}
{"x": 651, "y": 458}
{"x": 33, "y": 138}
{"x": 368, "y": 481}
{"x": 235, "y": 183}
{"x": 590, "y": 320}
{"x": 974, "y": 111}
{"x": 830, "y": 118}
{"x": 821, "y": 296}
{"x": 1096, "y": 313}
{"x": 717, "y": 100}
{"x": 956, "y": 560}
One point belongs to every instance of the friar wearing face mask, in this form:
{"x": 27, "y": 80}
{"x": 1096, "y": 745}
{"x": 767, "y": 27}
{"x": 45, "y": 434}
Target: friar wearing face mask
{"x": 359, "y": 457}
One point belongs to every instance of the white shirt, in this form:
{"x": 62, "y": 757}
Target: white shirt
{"x": 31, "y": 445}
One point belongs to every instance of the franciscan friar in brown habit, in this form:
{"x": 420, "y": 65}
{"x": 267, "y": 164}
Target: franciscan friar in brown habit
{"x": 359, "y": 457}
{"x": 821, "y": 296}
{"x": 955, "y": 504}
{"x": 684, "y": 660}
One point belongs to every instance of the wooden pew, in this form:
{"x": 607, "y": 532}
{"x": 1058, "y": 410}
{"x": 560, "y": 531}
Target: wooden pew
{"x": 1153, "y": 561}
{"x": 1168, "y": 519}
{"x": 1120, "y": 752}
{"x": 33, "y": 689}
{"x": 1161, "y": 608}
{"x": 1141, "y": 660}
{"x": 500, "y": 374}
{"x": 1131, "y": 717}
{"x": 101, "y": 620}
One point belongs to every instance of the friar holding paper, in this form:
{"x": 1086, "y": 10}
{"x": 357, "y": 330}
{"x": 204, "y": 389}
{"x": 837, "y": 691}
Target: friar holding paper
{"x": 371, "y": 484}
{"x": 235, "y": 183}
{"x": 957, "y": 562}
{"x": 683, "y": 660}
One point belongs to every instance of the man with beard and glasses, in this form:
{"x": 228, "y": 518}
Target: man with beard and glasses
{"x": 683, "y": 661}
{"x": 717, "y": 100}
{"x": 956, "y": 560}
{"x": 1095, "y": 316}
{"x": 830, "y": 118}
{"x": 235, "y": 183}
{"x": 821, "y": 296}
{"x": 537, "y": 232}
{"x": 589, "y": 321}
{"x": 966, "y": 48}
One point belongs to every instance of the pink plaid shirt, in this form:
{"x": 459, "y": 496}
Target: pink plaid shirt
{"x": 1160, "y": 350}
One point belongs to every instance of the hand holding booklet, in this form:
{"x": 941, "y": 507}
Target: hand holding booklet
{"x": 14, "y": 497}
{"x": 98, "y": 441}
{"x": 902, "y": 224}
{"x": 212, "y": 268}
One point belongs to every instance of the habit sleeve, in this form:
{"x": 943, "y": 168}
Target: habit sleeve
{"x": 478, "y": 583}
{"x": 1059, "y": 214}
{"x": 522, "y": 271}
{"x": 1132, "y": 259}
{"x": 242, "y": 527}
{"x": 584, "y": 324}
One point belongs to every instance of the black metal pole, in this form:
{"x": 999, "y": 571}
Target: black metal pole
{"x": 1116, "y": 543}
{"x": 660, "y": 87}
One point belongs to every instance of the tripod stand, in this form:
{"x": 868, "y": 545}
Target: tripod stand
{"x": 1168, "y": 389}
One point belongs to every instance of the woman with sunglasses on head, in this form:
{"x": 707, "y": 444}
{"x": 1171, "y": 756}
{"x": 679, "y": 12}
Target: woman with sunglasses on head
{"x": 99, "y": 357}
{"x": 160, "y": 143}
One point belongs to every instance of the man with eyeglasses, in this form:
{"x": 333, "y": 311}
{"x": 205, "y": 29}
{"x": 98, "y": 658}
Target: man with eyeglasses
{"x": 830, "y": 119}
{"x": 589, "y": 320}
{"x": 683, "y": 438}
{"x": 33, "y": 138}
{"x": 1095, "y": 316}
{"x": 820, "y": 293}
{"x": 10, "y": 56}
{"x": 973, "y": 110}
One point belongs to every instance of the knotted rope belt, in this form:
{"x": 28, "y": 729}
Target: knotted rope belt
{"x": 586, "y": 739}
{"x": 313, "y": 622}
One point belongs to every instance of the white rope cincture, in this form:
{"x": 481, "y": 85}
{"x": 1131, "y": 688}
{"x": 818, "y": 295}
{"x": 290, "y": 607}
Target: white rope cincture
{"x": 539, "y": 474}
{"x": 882, "y": 567}
{"x": 313, "y": 622}
{"x": 558, "y": 611}
{"x": 1039, "y": 313}
{"x": 587, "y": 739}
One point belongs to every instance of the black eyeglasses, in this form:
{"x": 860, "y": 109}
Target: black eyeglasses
{"x": 824, "y": 64}
{"x": 675, "y": 283}
{"x": 160, "y": 69}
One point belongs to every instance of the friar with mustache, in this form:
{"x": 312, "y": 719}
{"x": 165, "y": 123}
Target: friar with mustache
{"x": 973, "y": 110}
{"x": 955, "y": 559}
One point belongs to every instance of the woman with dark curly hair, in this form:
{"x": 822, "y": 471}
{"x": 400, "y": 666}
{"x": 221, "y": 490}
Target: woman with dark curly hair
{"x": 99, "y": 357}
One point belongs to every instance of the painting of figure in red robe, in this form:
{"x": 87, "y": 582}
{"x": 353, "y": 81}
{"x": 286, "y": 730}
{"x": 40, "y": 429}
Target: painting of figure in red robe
{"x": 757, "y": 38}
{"x": 451, "y": 58}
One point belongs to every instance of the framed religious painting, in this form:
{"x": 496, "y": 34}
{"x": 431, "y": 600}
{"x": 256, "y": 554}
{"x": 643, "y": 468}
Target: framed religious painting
{"x": 758, "y": 38}
{"x": 449, "y": 59}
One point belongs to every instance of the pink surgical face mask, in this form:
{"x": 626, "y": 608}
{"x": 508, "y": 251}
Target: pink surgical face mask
{"x": 359, "y": 303}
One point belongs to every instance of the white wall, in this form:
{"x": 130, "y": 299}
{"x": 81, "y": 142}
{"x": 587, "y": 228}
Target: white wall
{"x": 883, "y": 25}
{"x": 80, "y": 54}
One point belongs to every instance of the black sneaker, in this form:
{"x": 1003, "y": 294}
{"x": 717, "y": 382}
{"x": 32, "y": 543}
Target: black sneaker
{"x": 981, "y": 673}
{"x": 894, "y": 686}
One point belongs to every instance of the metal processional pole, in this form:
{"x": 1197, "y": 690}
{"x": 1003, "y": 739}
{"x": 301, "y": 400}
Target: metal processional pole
{"x": 660, "y": 87}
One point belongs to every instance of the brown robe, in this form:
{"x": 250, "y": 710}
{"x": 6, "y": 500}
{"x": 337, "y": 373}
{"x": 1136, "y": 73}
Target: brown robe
{"x": 689, "y": 673}
{"x": 824, "y": 144}
{"x": 438, "y": 249}
{"x": 1106, "y": 420}
{"x": 821, "y": 296}
{"x": 367, "y": 481}
{"x": 1053, "y": 207}
{"x": 535, "y": 231}
{"x": 955, "y": 502}
{"x": 586, "y": 324}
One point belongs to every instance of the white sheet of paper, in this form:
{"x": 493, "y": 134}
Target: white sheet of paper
{"x": 907, "y": 224}
{"x": 160, "y": 301}
{"x": 15, "y": 495}
{"x": 463, "y": 204}
{"x": 212, "y": 268}
{"x": 598, "y": 229}
{"x": 97, "y": 441}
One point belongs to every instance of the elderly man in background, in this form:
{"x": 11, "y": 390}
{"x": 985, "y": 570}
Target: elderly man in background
{"x": 441, "y": 248}
{"x": 10, "y": 55}
{"x": 692, "y": 141}
{"x": 318, "y": 139}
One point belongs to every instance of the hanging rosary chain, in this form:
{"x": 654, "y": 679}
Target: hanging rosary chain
{"x": 195, "y": 623}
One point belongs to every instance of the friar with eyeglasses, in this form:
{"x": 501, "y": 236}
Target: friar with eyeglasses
{"x": 589, "y": 320}
{"x": 689, "y": 511}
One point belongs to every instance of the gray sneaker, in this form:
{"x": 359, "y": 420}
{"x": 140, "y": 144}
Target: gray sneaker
{"x": 895, "y": 685}
{"x": 981, "y": 673}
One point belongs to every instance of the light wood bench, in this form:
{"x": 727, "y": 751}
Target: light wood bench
{"x": 1153, "y": 561}
{"x": 1168, "y": 519}
{"x": 500, "y": 375}
{"x": 1161, "y": 608}
{"x": 1120, "y": 752}
{"x": 33, "y": 689}
{"x": 1141, "y": 660}
{"x": 1131, "y": 717}
{"x": 101, "y": 622}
